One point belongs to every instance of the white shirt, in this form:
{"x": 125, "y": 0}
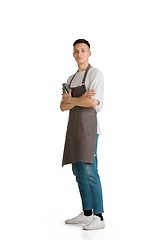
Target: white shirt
{"x": 95, "y": 81}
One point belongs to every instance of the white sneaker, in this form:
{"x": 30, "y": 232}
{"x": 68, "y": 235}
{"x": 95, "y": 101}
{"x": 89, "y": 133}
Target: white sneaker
{"x": 95, "y": 224}
{"x": 80, "y": 219}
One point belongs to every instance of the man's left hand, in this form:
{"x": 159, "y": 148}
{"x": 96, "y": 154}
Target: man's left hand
{"x": 67, "y": 97}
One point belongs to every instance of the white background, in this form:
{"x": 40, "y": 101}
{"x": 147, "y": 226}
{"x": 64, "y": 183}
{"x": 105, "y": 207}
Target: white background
{"x": 37, "y": 194}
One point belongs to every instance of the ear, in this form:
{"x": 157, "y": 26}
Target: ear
{"x": 89, "y": 53}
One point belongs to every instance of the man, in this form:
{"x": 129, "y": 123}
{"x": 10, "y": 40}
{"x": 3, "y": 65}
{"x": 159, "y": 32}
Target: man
{"x": 84, "y": 100}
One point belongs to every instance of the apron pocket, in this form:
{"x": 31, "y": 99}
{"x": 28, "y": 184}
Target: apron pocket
{"x": 80, "y": 124}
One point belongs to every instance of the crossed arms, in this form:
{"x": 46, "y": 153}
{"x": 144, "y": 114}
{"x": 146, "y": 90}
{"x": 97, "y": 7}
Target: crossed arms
{"x": 85, "y": 100}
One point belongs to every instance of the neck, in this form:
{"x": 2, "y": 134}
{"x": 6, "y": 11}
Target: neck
{"x": 82, "y": 67}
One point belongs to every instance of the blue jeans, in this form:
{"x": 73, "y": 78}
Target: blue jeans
{"x": 89, "y": 184}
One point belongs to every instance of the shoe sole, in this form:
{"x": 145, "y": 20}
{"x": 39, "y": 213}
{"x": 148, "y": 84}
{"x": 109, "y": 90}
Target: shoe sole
{"x": 94, "y": 228}
{"x": 77, "y": 222}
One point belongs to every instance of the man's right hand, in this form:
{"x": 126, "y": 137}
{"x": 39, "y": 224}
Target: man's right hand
{"x": 89, "y": 93}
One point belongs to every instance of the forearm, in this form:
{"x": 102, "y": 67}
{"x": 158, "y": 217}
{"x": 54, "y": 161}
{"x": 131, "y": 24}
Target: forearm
{"x": 66, "y": 106}
{"x": 84, "y": 102}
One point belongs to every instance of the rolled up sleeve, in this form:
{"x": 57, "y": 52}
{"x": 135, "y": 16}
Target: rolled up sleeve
{"x": 98, "y": 85}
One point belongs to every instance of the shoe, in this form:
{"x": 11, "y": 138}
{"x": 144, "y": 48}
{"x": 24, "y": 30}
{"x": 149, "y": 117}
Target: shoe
{"x": 80, "y": 219}
{"x": 95, "y": 224}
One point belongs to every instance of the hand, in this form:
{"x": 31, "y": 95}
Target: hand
{"x": 89, "y": 93}
{"x": 67, "y": 97}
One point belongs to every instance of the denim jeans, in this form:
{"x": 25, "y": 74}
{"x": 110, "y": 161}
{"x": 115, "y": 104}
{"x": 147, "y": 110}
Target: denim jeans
{"x": 89, "y": 184}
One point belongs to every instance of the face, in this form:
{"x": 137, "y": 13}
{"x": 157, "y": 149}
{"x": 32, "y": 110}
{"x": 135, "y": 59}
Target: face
{"x": 81, "y": 53}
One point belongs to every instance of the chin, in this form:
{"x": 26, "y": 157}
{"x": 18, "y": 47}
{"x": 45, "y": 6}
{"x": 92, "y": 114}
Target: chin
{"x": 80, "y": 61}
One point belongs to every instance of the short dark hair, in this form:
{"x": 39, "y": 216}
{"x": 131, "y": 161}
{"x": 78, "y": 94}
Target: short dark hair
{"x": 81, "y": 41}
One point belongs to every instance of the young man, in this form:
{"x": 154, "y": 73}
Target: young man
{"x": 84, "y": 100}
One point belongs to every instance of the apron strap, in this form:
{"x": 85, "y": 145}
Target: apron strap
{"x": 72, "y": 79}
{"x": 84, "y": 78}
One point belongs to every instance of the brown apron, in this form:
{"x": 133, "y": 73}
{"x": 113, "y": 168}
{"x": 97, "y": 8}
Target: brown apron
{"x": 81, "y": 132}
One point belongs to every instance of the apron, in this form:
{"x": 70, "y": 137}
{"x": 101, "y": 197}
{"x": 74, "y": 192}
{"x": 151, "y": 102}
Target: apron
{"x": 81, "y": 132}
